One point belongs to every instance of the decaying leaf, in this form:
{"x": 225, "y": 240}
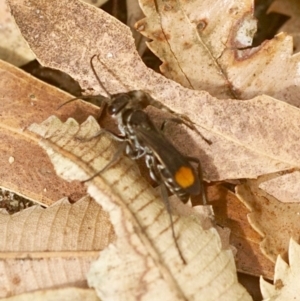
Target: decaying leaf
{"x": 246, "y": 136}
{"x": 143, "y": 261}
{"x": 231, "y": 213}
{"x": 13, "y": 47}
{"x": 64, "y": 294}
{"x": 190, "y": 37}
{"x": 275, "y": 221}
{"x": 286, "y": 279}
{"x": 55, "y": 245}
{"x": 202, "y": 47}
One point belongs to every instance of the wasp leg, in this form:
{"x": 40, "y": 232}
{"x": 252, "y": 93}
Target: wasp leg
{"x": 176, "y": 120}
{"x": 190, "y": 125}
{"x": 155, "y": 175}
{"x": 164, "y": 194}
{"x": 112, "y": 162}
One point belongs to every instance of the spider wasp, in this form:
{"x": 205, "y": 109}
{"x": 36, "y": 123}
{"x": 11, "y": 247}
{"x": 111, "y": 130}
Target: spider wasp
{"x": 170, "y": 169}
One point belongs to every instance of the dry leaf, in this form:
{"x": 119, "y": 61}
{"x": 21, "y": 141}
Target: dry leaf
{"x": 65, "y": 294}
{"x": 13, "y": 47}
{"x": 134, "y": 14}
{"x": 190, "y": 37}
{"x": 275, "y": 221}
{"x": 143, "y": 261}
{"x": 202, "y": 44}
{"x": 284, "y": 186}
{"x": 55, "y": 245}
{"x": 25, "y": 167}
{"x": 286, "y": 279}
{"x": 290, "y": 8}
{"x": 82, "y": 226}
{"x": 230, "y": 212}
{"x": 246, "y": 136}
{"x": 95, "y": 2}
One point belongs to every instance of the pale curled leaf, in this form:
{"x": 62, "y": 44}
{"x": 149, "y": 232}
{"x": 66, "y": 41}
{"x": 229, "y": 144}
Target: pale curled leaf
{"x": 21, "y": 275}
{"x": 246, "y": 136}
{"x": 82, "y": 226}
{"x": 275, "y": 221}
{"x": 64, "y": 294}
{"x": 286, "y": 278}
{"x": 143, "y": 261}
{"x": 203, "y": 46}
{"x": 55, "y": 245}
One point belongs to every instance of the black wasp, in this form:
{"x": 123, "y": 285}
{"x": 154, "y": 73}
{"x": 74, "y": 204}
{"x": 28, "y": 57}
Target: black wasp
{"x": 167, "y": 166}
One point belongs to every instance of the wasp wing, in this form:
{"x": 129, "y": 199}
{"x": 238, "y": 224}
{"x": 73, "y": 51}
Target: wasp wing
{"x": 166, "y": 153}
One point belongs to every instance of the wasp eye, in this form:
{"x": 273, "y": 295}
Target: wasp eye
{"x": 119, "y": 102}
{"x": 111, "y": 109}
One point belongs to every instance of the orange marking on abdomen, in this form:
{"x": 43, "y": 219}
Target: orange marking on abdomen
{"x": 184, "y": 177}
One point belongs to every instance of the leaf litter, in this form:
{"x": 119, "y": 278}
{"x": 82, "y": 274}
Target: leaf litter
{"x": 275, "y": 221}
{"x": 207, "y": 47}
{"x": 255, "y": 127}
{"x": 246, "y": 136}
{"x": 14, "y": 48}
{"x": 231, "y": 213}
{"x": 37, "y": 112}
{"x": 290, "y": 8}
{"x": 26, "y": 100}
{"x": 286, "y": 279}
{"x": 66, "y": 294}
{"x": 55, "y": 245}
{"x": 143, "y": 260}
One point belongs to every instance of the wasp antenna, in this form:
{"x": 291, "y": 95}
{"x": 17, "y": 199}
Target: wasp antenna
{"x": 94, "y": 99}
{"x": 66, "y": 102}
{"x": 96, "y": 75}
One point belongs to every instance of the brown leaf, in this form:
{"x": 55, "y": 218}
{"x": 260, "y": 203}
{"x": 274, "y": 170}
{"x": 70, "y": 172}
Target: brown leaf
{"x": 55, "y": 245}
{"x": 202, "y": 47}
{"x": 246, "y": 136}
{"x": 275, "y": 221}
{"x": 230, "y": 212}
{"x": 289, "y": 8}
{"x": 13, "y": 47}
{"x": 25, "y": 167}
{"x": 144, "y": 253}
{"x": 284, "y": 186}
{"x": 190, "y": 37}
